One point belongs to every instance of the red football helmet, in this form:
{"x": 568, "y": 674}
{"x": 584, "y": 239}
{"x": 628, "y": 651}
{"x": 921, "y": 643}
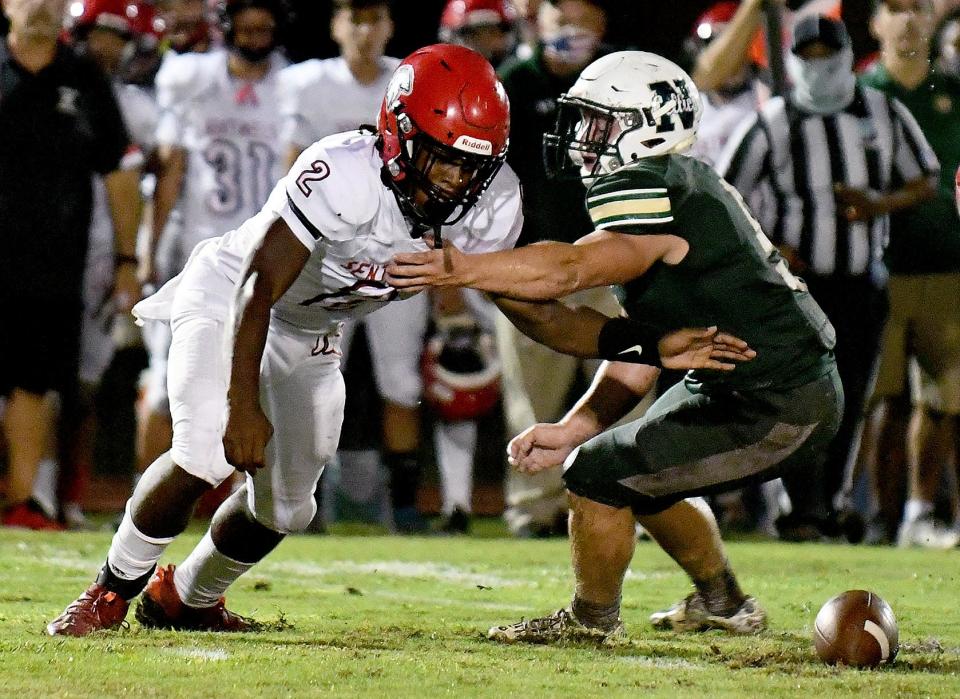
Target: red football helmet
{"x": 708, "y": 27}
{"x": 486, "y": 26}
{"x": 144, "y": 22}
{"x": 444, "y": 104}
{"x": 116, "y": 15}
{"x": 462, "y": 14}
{"x": 714, "y": 19}
{"x": 461, "y": 373}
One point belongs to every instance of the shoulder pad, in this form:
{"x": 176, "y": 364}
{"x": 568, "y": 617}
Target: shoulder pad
{"x": 295, "y": 82}
{"x": 184, "y": 76}
{"x": 334, "y": 186}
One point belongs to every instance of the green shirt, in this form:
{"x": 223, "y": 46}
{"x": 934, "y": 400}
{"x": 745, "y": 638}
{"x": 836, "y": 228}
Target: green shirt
{"x": 552, "y": 209}
{"x": 926, "y": 238}
{"x": 731, "y": 277}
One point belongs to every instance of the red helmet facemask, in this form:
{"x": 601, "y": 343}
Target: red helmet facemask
{"x": 444, "y": 128}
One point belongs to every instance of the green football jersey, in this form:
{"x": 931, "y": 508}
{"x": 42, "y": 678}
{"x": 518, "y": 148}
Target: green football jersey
{"x": 732, "y": 276}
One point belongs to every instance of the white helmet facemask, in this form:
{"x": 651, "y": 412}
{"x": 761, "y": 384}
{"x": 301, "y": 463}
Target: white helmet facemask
{"x": 624, "y": 107}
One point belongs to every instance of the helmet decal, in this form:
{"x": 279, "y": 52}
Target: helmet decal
{"x": 473, "y": 145}
{"x": 400, "y": 84}
{"x": 672, "y": 108}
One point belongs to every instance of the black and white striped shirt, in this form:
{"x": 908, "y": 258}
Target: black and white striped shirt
{"x": 873, "y": 144}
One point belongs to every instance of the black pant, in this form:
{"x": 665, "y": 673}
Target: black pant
{"x": 857, "y": 309}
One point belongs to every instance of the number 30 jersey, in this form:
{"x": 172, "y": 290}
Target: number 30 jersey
{"x": 230, "y": 129}
{"x": 732, "y": 276}
{"x": 336, "y": 204}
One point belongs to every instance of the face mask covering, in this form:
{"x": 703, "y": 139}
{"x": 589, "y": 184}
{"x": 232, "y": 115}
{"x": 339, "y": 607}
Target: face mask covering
{"x": 571, "y": 45}
{"x": 254, "y": 55}
{"x": 822, "y": 85}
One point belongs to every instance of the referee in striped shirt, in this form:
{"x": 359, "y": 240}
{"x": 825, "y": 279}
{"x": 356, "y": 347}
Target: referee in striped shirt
{"x": 838, "y": 157}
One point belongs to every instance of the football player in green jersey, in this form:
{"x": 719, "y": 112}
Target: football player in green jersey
{"x": 686, "y": 251}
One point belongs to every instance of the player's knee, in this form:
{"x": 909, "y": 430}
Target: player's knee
{"x": 200, "y": 453}
{"x": 288, "y": 517}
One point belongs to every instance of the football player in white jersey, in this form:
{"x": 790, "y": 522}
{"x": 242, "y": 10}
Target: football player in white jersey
{"x": 254, "y": 365}
{"x": 359, "y": 76}
{"x": 219, "y": 156}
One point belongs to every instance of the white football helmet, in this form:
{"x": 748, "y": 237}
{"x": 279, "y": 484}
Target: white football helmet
{"x": 624, "y": 106}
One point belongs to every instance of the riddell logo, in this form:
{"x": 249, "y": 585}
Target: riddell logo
{"x": 474, "y": 145}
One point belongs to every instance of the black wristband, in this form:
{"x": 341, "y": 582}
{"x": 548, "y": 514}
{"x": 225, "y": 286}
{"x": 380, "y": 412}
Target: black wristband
{"x": 625, "y": 340}
{"x": 125, "y": 260}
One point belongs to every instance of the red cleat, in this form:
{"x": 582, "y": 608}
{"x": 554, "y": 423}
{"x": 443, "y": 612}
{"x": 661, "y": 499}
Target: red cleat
{"x": 97, "y": 609}
{"x": 160, "y": 607}
{"x": 23, "y": 516}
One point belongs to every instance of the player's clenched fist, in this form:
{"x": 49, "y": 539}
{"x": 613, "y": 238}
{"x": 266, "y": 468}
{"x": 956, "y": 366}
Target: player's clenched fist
{"x": 245, "y": 437}
{"x": 541, "y": 447}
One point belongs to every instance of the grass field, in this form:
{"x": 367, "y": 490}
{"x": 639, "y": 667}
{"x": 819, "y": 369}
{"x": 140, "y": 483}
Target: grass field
{"x": 405, "y": 617}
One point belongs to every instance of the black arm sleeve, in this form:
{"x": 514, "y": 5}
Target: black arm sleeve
{"x": 625, "y": 340}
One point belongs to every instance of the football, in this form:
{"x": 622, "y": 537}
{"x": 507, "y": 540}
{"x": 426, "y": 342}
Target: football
{"x": 856, "y": 628}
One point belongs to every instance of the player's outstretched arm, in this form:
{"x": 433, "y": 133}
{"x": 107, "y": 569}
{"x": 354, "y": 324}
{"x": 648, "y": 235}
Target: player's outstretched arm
{"x": 584, "y": 332}
{"x": 274, "y": 266}
{"x": 540, "y": 272}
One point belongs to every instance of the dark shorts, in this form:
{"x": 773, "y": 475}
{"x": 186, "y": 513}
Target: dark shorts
{"x": 39, "y": 345}
{"x": 691, "y": 444}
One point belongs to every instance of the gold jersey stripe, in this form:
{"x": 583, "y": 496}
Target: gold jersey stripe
{"x": 635, "y": 208}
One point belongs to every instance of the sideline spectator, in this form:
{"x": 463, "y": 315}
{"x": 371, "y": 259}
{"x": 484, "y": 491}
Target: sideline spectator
{"x": 489, "y": 27}
{"x": 839, "y": 159}
{"x": 61, "y": 125}
{"x": 924, "y": 262}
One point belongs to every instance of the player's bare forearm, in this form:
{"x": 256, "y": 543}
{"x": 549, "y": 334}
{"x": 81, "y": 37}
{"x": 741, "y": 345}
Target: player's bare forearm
{"x": 559, "y": 327}
{"x": 616, "y": 389}
{"x": 172, "y": 171}
{"x": 123, "y": 194}
{"x": 540, "y": 272}
{"x": 274, "y": 266}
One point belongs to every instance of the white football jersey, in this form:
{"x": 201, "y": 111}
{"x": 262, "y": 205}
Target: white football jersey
{"x": 140, "y": 116}
{"x": 230, "y": 129}
{"x": 336, "y": 204}
{"x": 321, "y": 97}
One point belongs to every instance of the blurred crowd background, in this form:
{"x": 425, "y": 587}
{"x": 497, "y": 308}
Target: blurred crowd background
{"x": 838, "y": 123}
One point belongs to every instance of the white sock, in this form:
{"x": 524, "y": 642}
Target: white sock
{"x": 455, "y": 443}
{"x": 45, "y": 486}
{"x": 916, "y": 509}
{"x": 202, "y": 579}
{"x": 133, "y": 554}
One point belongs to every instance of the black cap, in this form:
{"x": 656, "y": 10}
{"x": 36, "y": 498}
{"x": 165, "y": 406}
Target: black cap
{"x": 828, "y": 31}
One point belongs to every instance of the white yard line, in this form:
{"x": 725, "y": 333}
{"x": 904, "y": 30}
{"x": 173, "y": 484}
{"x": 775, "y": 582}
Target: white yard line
{"x": 208, "y": 654}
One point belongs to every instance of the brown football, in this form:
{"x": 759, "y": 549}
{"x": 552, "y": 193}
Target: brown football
{"x": 856, "y": 628}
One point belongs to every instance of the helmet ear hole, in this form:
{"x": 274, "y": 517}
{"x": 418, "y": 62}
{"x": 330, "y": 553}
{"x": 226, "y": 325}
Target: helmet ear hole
{"x": 651, "y": 143}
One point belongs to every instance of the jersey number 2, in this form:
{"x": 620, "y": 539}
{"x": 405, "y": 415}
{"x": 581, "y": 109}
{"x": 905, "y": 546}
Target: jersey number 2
{"x": 318, "y": 171}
